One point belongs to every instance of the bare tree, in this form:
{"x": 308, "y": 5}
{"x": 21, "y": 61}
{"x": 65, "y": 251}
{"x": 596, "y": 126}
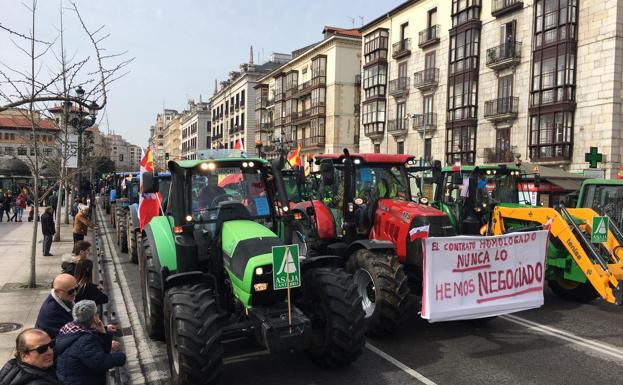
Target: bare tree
{"x": 29, "y": 90}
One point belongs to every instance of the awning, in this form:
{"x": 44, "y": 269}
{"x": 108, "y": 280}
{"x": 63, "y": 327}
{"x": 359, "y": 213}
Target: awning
{"x": 566, "y": 183}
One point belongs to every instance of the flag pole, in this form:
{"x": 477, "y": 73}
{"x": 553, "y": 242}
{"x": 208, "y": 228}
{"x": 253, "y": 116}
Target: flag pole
{"x": 288, "y": 288}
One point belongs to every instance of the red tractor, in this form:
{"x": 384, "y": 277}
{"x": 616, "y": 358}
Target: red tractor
{"x": 363, "y": 210}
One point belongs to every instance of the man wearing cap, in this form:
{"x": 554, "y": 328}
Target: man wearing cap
{"x": 33, "y": 362}
{"x": 84, "y": 349}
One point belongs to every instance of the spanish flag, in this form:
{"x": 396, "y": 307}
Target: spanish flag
{"x": 294, "y": 157}
{"x": 620, "y": 174}
{"x": 149, "y": 204}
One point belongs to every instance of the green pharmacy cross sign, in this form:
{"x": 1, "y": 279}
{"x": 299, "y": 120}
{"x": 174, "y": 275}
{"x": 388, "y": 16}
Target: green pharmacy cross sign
{"x": 593, "y": 157}
{"x": 599, "y": 234}
{"x": 286, "y": 267}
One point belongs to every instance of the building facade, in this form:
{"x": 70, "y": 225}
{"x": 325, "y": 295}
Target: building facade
{"x": 156, "y": 137}
{"x": 173, "y": 138}
{"x": 16, "y": 138}
{"x": 195, "y": 128}
{"x": 313, "y": 100}
{"x": 233, "y": 113}
{"x": 487, "y": 81}
{"x": 126, "y": 156}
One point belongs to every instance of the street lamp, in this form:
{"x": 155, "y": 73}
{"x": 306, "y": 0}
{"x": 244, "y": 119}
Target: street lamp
{"x": 81, "y": 123}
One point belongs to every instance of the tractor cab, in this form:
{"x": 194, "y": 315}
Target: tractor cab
{"x": 467, "y": 194}
{"x": 605, "y": 196}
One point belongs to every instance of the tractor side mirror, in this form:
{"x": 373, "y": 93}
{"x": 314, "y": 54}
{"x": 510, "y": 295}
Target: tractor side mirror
{"x": 537, "y": 180}
{"x": 328, "y": 173}
{"x": 150, "y": 183}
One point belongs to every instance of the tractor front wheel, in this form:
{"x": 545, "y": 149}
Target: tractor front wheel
{"x": 331, "y": 301}
{"x": 123, "y": 235}
{"x": 573, "y": 291}
{"x": 131, "y": 242}
{"x": 193, "y": 336}
{"x": 151, "y": 288}
{"x": 383, "y": 286}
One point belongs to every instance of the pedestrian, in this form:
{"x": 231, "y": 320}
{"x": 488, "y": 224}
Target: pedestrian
{"x": 12, "y": 208}
{"x": 34, "y": 360}
{"x": 86, "y": 288}
{"x": 2, "y": 198}
{"x": 85, "y": 349}
{"x": 82, "y": 224}
{"x": 53, "y": 201}
{"x": 80, "y": 251}
{"x": 74, "y": 207}
{"x": 6, "y": 205}
{"x": 20, "y": 205}
{"x": 48, "y": 230}
{"x": 55, "y": 311}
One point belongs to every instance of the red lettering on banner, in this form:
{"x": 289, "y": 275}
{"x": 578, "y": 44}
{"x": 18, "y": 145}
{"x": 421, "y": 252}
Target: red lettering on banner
{"x": 435, "y": 246}
{"x": 495, "y": 281}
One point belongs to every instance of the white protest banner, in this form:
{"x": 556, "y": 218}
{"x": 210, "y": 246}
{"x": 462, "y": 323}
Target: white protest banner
{"x": 471, "y": 277}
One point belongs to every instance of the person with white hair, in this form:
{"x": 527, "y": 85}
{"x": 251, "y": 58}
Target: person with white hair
{"x": 85, "y": 351}
{"x": 82, "y": 223}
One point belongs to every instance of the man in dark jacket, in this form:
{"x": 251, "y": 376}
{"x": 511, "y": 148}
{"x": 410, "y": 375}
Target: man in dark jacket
{"x": 84, "y": 350}
{"x": 33, "y": 362}
{"x": 48, "y": 230}
{"x": 56, "y": 309}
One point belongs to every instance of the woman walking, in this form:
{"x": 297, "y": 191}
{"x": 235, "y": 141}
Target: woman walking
{"x": 82, "y": 224}
{"x": 20, "y": 205}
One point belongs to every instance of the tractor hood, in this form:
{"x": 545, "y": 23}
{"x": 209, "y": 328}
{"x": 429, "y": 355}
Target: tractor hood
{"x": 407, "y": 209}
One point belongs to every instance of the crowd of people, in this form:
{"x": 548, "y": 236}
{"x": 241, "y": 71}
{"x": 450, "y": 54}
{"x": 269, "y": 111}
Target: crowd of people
{"x": 69, "y": 344}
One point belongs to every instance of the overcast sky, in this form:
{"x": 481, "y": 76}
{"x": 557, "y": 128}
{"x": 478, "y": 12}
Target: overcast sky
{"x": 182, "y": 46}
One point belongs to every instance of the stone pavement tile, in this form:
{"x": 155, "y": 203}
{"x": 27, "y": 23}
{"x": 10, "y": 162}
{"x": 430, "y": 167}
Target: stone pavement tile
{"x": 22, "y": 305}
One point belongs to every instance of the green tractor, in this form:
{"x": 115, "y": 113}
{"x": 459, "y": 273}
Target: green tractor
{"x": 208, "y": 273}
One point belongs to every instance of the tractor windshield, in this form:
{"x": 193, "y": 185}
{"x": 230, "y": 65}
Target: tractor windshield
{"x": 605, "y": 199}
{"x": 382, "y": 181}
{"x": 244, "y": 185}
{"x": 491, "y": 186}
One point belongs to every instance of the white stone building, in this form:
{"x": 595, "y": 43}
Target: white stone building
{"x": 482, "y": 81}
{"x": 195, "y": 127}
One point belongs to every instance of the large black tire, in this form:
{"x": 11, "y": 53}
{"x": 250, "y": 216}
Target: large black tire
{"x": 107, "y": 207}
{"x": 193, "y": 335}
{"x": 573, "y": 291}
{"x": 383, "y": 286}
{"x": 131, "y": 240}
{"x": 331, "y": 301}
{"x": 123, "y": 235}
{"x": 151, "y": 290}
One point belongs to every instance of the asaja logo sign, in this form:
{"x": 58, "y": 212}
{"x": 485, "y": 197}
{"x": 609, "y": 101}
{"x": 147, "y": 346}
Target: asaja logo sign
{"x": 286, "y": 267}
{"x": 600, "y": 230}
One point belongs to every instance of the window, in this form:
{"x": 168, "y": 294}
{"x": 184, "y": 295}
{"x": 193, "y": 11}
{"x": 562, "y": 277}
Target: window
{"x": 555, "y": 20}
{"x": 242, "y": 97}
{"x": 551, "y": 135}
{"x": 400, "y": 147}
{"x": 464, "y": 51}
{"x": 377, "y": 148}
{"x": 428, "y": 145}
{"x": 464, "y": 10}
{"x": 432, "y": 18}
{"x": 375, "y": 45}
{"x": 461, "y": 145}
{"x": 318, "y": 127}
{"x": 462, "y": 100}
{"x": 375, "y": 80}
{"x": 9, "y": 150}
{"x": 553, "y": 78}
{"x": 373, "y": 112}
{"x": 318, "y": 97}
{"x": 22, "y": 151}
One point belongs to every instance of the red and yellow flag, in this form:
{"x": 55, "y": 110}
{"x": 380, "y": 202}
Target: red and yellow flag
{"x": 294, "y": 157}
{"x": 620, "y": 174}
{"x": 148, "y": 204}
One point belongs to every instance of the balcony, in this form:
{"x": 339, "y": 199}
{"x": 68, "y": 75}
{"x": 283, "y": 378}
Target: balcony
{"x": 237, "y": 106}
{"x": 279, "y": 96}
{"x": 313, "y": 141}
{"x": 399, "y": 87}
{"x": 429, "y": 36}
{"x": 497, "y": 155}
{"x": 318, "y": 110}
{"x": 397, "y": 126}
{"x": 502, "y": 7}
{"x": 303, "y": 115}
{"x": 236, "y": 128}
{"x": 261, "y": 103}
{"x": 279, "y": 122}
{"x": 242, "y": 105}
{"x": 401, "y": 49}
{"x": 504, "y": 55}
{"x": 426, "y": 79}
{"x": 265, "y": 128}
{"x": 424, "y": 123}
{"x": 319, "y": 80}
{"x": 374, "y": 130}
{"x": 501, "y": 109}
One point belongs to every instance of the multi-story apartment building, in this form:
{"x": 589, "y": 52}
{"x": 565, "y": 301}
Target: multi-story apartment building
{"x": 156, "y": 137}
{"x": 313, "y": 100}
{"x": 126, "y": 156}
{"x": 16, "y": 138}
{"x": 233, "y": 114}
{"x": 173, "y": 138}
{"x": 489, "y": 80}
{"x": 195, "y": 127}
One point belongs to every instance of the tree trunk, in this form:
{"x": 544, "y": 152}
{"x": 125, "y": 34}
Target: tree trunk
{"x": 59, "y": 206}
{"x": 67, "y": 203}
{"x": 32, "y": 283}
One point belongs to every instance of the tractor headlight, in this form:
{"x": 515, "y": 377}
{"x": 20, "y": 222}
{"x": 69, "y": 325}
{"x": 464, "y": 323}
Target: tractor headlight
{"x": 259, "y": 271}
{"x": 245, "y": 164}
{"x": 262, "y": 286}
{"x": 251, "y": 164}
{"x": 189, "y": 218}
{"x": 358, "y": 201}
{"x": 203, "y": 166}
{"x": 424, "y": 200}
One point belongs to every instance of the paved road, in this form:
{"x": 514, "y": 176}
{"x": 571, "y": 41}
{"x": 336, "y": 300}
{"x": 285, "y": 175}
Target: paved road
{"x": 560, "y": 343}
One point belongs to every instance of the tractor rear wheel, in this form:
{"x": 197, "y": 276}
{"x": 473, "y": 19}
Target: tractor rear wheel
{"x": 132, "y": 245}
{"x": 383, "y": 286}
{"x": 573, "y": 291}
{"x": 193, "y": 336}
{"x": 331, "y": 301}
{"x": 123, "y": 234}
{"x": 151, "y": 288}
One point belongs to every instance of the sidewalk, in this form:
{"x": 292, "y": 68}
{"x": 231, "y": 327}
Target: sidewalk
{"x": 17, "y": 304}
